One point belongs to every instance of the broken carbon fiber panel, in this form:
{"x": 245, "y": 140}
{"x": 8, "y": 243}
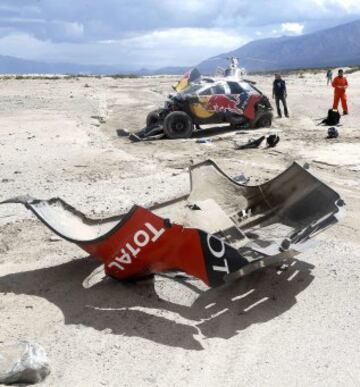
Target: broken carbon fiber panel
{"x": 221, "y": 229}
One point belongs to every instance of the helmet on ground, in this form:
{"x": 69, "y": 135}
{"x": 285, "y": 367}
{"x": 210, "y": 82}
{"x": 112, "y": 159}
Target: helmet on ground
{"x": 333, "y": 133}
{"x": 272, "y": 140}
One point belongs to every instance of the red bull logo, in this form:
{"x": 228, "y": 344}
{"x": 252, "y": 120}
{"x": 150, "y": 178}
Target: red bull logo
{"x": 221, "y": 103}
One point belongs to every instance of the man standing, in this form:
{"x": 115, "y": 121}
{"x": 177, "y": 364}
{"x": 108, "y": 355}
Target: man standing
{"x": 329, "y": 76}
{"x": 340, "y": 84}
{"x": 280, "y": 94}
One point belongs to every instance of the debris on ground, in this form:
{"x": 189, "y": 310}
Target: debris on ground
{"x": 204, "y": 141}
{"x": 332, "y": 119}
{"x": 272, "y": 140}
{"x": 251, "y": 144}
{"x": 134, "y": 137}
{"x": 122, "y": 132}
{"x": 332, "y": 133}
{"x": 152, "y": 131}
{"x": 54, "y": 239}
{"x": 100, "y": 119}
{"x": 241, "y": 179}
{"x": 224, "y": 229}
{"x": 23, "y": 362}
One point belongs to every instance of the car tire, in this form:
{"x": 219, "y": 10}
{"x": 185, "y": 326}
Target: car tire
{"x": 153, "y": 118}
{"x": 235, "y": 120}
{"x": 178, "y": 125}
{"x": 264, "y": 121}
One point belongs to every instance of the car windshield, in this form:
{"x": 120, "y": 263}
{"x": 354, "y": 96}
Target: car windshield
{"x": 235, "y": 88}
{"x": 192, "y": 89}
{"x": 246, "y": 86}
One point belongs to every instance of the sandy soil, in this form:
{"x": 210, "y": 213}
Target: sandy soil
{"x": 295, "y": 328}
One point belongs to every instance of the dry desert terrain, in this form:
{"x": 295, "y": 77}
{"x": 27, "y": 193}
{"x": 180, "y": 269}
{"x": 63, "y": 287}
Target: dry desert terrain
{"x": 299, "y": 327}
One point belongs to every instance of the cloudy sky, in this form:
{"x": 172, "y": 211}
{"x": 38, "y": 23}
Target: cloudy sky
{"x": 155, "y": 33}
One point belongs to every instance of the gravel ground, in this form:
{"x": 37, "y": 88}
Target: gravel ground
{"x": 293, "y": 328}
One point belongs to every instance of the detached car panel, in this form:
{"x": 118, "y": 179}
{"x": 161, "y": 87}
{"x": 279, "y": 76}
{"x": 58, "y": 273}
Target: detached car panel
{"x": 220, "y": 230}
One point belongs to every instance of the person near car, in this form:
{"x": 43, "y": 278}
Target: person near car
{"x": 280, "y": 95}
{"x": 340, "y": 84}
{"x": 329, "y": 77}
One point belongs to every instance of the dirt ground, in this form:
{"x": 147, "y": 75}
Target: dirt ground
{"x": 294, "y": 328}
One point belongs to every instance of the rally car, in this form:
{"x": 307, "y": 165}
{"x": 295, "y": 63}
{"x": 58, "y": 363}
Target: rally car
{"x": 210, "y": 101}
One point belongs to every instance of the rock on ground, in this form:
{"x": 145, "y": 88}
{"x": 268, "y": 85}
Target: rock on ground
{"x": 23, "y": 362}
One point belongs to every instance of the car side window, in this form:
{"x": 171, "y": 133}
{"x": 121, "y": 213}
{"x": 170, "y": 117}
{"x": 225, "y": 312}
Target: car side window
{"x": 235, "y": 88}
{"x": 217, "y": 89}
{"x": 207, "y": 91}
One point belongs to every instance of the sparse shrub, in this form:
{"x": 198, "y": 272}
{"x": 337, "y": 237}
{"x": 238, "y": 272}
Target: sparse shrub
{"x": 352, "y": 70}
{"x": 122, "y": 76}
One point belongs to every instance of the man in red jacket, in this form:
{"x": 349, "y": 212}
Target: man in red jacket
{"x": 340, "y": 84}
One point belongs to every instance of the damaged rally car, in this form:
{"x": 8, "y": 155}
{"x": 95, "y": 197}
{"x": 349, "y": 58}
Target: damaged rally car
{"x": 208, "y": 101}
{"x": 219, "y": 231}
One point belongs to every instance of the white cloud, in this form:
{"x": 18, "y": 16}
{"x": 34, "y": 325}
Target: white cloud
{"x": 345, "y": 5}
{"x": 74, "y": 30}
{"x": 23, "y": 20}
{"x": 188, "y": 37}
{"x": 177, "y": 45}
{"x": 183, "y": 45}
{"x": 153, "y": 32}
{"x": 180, "y": 46}
{"x": 22, "y": 45}
{"x": 186, "y": 5}
{"x": 292, "y": 28}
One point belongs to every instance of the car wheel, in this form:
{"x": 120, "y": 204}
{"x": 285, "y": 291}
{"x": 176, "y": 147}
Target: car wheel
{"x": 178, "y": 125}
{"x": 264, "y": 122}
{"x": 234, "y": 119}
{"x": 153, "y": 118}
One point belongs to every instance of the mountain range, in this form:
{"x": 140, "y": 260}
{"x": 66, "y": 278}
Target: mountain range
{"x": 13, "y": 65}
{"x": 338, "y": 46}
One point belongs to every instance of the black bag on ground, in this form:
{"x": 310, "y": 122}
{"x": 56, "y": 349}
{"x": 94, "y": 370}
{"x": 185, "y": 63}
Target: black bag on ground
{"x": 332, "y": 119}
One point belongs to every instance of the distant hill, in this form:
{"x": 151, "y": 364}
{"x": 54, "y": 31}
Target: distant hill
{"x": 171, "y": 70}
{"x": 338, "y": 46}
{"x": 12, "y": 65}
